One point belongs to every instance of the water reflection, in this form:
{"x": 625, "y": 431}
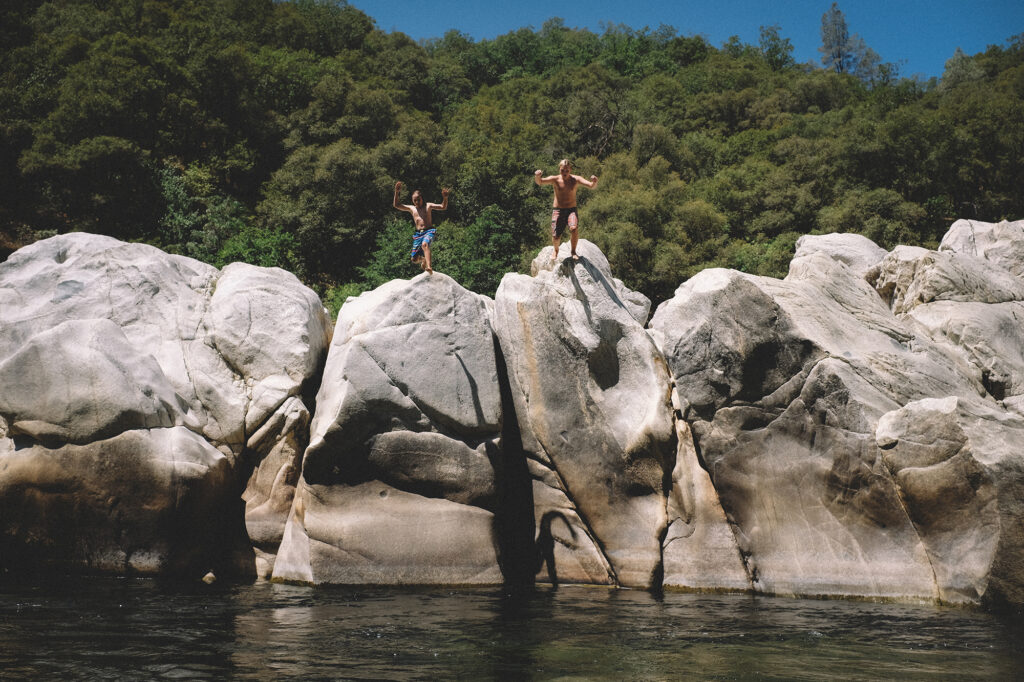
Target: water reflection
{"x": 132, "y": 629}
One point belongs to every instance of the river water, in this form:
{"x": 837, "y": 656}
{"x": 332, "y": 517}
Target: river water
{"x": 131, "y": 629}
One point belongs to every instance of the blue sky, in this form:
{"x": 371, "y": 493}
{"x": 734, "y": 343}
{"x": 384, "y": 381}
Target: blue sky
{"x": 918, "y": 35}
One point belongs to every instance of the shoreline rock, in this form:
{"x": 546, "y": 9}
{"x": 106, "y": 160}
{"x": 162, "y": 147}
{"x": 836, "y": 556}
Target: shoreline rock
{"x": 852, "y": 430}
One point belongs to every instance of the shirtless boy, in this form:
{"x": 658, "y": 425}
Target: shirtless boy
{"x": 564, "y": 212}
{"x": 422, "y": 217}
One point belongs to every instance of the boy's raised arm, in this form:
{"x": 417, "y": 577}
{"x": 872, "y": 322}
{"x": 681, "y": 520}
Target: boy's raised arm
{"x": 400, "y": 207}
{"x": 589, "y": 184}
{"x": 443, "y": 206}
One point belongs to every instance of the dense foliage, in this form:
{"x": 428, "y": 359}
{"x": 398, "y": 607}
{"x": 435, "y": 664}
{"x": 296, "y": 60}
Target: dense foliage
{"x": 273, "y": 132}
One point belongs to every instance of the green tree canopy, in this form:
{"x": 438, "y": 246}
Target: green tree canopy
{"x": 274, "y": 131}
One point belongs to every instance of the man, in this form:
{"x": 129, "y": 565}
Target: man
{"x": 564, "y": 212}
{"x": 423, "y": 219}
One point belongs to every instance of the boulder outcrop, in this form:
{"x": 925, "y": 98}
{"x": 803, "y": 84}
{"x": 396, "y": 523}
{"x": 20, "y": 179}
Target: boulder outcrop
{"x": 788, "y": 385}
{"x": 999, "y": 243}
{"x": 174, "y": 375}
{"x": 851, "y": 430}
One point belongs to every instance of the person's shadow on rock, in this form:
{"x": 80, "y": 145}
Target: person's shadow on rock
{"x": 546, "y": 543}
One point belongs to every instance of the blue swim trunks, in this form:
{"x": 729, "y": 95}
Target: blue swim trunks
{"x": 419, "y": 238}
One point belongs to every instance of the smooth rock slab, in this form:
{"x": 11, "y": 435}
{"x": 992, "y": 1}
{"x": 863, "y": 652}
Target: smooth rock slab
{"x": 83, "y": 381}
{"x": 372, "y": 533}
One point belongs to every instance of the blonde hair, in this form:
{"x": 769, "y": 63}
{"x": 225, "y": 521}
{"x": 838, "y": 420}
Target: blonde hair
{"x": 563, "y": 163}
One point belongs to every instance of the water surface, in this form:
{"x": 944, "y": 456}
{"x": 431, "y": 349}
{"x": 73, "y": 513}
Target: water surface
{"x": 141, "y": 629}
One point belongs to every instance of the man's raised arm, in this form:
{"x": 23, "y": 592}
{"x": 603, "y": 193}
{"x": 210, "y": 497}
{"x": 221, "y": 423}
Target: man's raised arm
{"x": 589, "y": 184}
{"x": 537, "y": 178}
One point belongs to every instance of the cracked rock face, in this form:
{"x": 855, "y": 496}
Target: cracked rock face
{"x": 398, "y": 483}
{"x": 782, "y": 382}
{"x": 160, "y": 366}
{"x": 591, "y": 394}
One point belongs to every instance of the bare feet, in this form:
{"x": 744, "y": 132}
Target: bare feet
{"x": 574, "y": 256}
{"x": 430, "y": 271}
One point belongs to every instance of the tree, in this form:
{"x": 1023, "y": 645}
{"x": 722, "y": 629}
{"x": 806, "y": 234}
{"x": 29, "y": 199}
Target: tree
{"x": 835, "y": 41}
{"x": 777, "y": 51}
{"x": 866, "y": 61}
{"x": 845, "y": 53}
{"x": 960, "y": 69}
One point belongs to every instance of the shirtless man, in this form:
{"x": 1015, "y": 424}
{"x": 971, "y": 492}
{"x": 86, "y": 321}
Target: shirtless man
{"x": 422, "y": 217}
{"x": 564, "y": 212}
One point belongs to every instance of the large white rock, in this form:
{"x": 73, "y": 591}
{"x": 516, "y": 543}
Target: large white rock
{"x": 855, "y": 251}
{"x": 100, "y": 338}
{"x": 783, "y": 383}
{"x": 591, "y": 394}
{"x": 910, "y": 276}
{"x": 1001, "y": 243}
{"x": 398, "y": 483}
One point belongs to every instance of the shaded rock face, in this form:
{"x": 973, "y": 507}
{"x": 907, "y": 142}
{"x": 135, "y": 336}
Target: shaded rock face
{"x": 399, "y": 481}
{"x": 591, "y": 396}
{"x": 154, "y": 381}
{"x": 145, "y": 501}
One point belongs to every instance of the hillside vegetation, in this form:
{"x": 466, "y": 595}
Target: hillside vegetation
{"x": 273, "y": 132}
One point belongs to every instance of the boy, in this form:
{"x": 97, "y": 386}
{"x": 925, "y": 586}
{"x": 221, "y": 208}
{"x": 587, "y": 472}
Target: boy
{"x": 422, "y": 218}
